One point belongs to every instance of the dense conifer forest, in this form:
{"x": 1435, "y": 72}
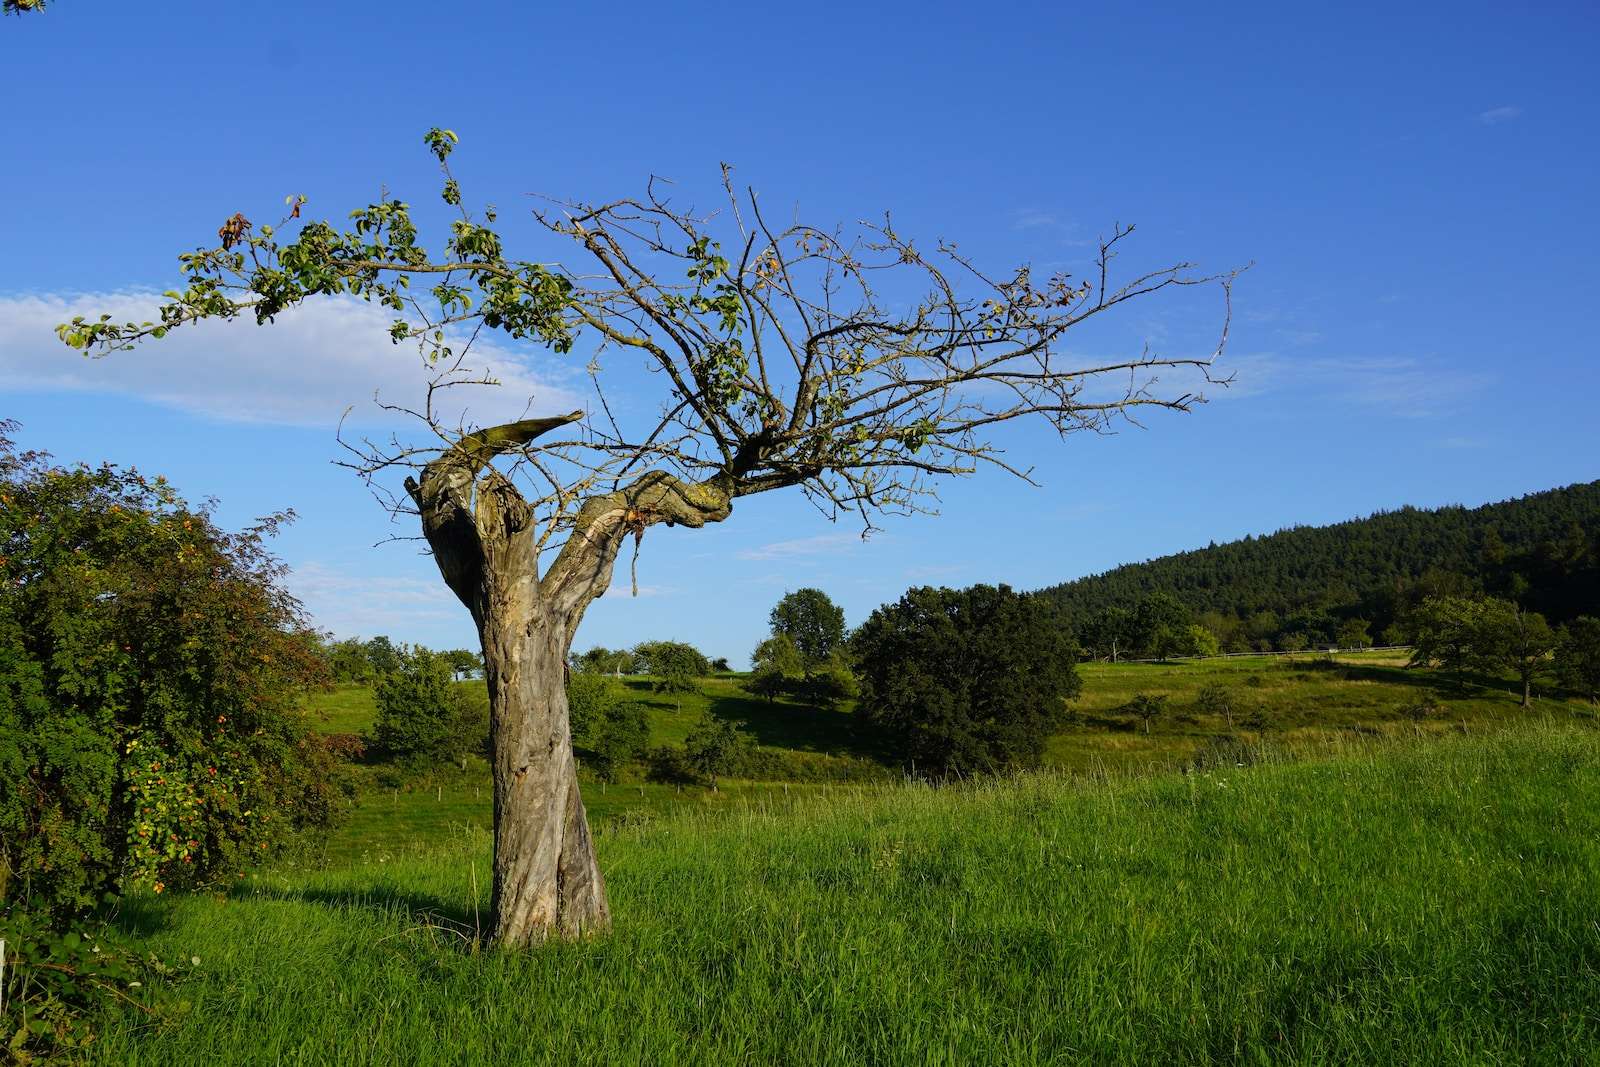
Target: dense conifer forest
{"x": 1307, "y": 584}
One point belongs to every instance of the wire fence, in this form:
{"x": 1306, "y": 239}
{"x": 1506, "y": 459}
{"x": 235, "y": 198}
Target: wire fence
{"x": 1324, "y": 651}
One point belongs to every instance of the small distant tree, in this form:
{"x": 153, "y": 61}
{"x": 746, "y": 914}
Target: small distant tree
{"x": 589, "y": 697}
{"x": 463, "y": 662}
{"x": 348, "y": 662}
{"x": 422, "y": 716}
{"x": 1200, "y": 642}
{"x": 966, "y": 680}
{"x": 1160, "y": 626}
{"x": 1577, "y": 659}
{"x": 1354, "y": 633}
{"x": 828, "y": 684}
{"x": 812, "y": 621}
{"x": 716, "y": 747}
{"x": 1216, "y": 699}
{"x": 720, "y": 665}
{"x": 384, "y": 655}
{"x": 661, "y": 657}
{"x": 777, "y": 667}
{"x": 618, "y": 739}
{"x": 600, "y": 660}
{"x": 1148, "y": 707}
{"x": 1109, "y": 634}
{"x": 1446, "y": 632}
{"x": 1295, "y": 641}
{"x": 1513, "y": 640}
{"x": 674, "y": 679}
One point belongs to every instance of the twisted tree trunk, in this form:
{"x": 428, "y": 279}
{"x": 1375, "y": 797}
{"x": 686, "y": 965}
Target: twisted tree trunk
{"x": 547, "y": 882}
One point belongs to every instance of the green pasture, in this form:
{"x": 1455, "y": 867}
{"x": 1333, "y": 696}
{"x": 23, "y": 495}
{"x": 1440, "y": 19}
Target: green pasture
{"x": 1393, "y": 902}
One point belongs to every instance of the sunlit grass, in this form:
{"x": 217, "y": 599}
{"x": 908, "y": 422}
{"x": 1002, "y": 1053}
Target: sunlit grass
{"x": 1390, "y": 902}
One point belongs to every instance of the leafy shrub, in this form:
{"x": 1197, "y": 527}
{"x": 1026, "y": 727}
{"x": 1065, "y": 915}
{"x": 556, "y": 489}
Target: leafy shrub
{"x": 716, "y": 747}
{"x": 1426, "y": 706}
{"x": 670, "y": 657}
{"x": 621, "y": 736}
{"x": 588, "y": 697}
{"x": 423, "y": 715}
{"x": 782, "y": 765}
{"x": 1216, "y": 699}
{"x": 57, "y": 985}
{"x": 151, "y": 672}
{"x": 670, "y": 765}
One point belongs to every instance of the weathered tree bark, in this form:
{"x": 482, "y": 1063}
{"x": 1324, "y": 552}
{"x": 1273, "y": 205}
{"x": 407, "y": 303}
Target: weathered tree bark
{"x": 547, "y": 882}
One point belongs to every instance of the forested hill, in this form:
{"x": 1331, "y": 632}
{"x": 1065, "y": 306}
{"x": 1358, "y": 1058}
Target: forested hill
{"x": 1542, "y": 550}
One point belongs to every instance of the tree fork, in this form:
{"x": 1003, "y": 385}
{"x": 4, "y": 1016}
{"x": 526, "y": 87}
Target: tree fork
{"x": 546, "y": 878}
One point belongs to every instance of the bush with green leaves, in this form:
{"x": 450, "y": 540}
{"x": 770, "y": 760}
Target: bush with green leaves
{"x": 588, "y": 697}
{"x": 1577, "y": 659}
{"x": 670, "y": 657}
{"x": 602, "y": 660}
{"x": 776, "y": 667}
{"x": 151, "y": 675}
{"x": 58, "y": 986}
{"x": 423, "y": 716}
{"x": 966, "y": 680}
{"x": 716, "y": 748}
{"x": 618, "y": 739}
{"x": 674, "y": 676}
{"x": 669, "y": 765}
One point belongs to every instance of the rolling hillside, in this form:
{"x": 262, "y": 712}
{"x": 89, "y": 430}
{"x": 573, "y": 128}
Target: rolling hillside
{"x": 1542, "y": 550}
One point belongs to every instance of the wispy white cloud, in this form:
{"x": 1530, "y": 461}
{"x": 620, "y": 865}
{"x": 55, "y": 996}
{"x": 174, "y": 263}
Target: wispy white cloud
{"x": 1496, "y": 115}
{"x": 304, "y": 369}
{"x": 1067, "y": 231}
{"x": 350, "y": 605}
{"x": 1403, "y": 386}
{"x": 820, "y": 545}
{"x": 1033, "y": 219}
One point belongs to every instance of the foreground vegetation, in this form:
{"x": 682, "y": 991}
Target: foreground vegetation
{"x": 1421, "y": 903}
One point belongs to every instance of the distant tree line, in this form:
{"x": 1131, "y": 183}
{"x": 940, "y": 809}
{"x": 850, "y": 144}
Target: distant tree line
{"x": 1353, "y": 583}
{"x": 353, "y": 660}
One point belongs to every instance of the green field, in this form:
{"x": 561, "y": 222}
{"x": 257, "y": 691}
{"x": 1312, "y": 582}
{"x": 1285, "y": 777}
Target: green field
{"x": 1300, "y": 705}
{"x": 1413, "y": 901}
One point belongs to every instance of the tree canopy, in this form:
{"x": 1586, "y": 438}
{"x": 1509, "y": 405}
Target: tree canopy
{"x": 966, "y": 680}
{"x": 812, "y": 621}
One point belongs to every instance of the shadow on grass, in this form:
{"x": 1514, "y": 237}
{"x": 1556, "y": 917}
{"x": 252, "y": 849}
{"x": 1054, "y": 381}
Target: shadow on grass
{"x": 417, "y": 909}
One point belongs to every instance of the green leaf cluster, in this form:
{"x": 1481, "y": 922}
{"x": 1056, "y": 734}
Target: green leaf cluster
{"x": 151, "y": 670}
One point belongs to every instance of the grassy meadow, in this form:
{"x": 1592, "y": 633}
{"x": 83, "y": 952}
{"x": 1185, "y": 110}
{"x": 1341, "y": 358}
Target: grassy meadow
{"x": 1302, "y": 705}
{"x": 1415, "y": 901}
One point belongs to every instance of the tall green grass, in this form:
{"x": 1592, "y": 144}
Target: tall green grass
{"x": 1413, "y": 903}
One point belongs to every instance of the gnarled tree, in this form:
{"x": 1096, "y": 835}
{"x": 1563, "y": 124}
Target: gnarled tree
{"x": 777, "y": 364}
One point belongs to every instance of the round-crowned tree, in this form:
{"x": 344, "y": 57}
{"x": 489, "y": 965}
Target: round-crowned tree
{"x": 810, "y": 619}
{"x": 151, "y": 672}
{"x": 966, "y": 680}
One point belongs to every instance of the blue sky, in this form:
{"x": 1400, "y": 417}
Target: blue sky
{"x": 1415, "y": 188}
